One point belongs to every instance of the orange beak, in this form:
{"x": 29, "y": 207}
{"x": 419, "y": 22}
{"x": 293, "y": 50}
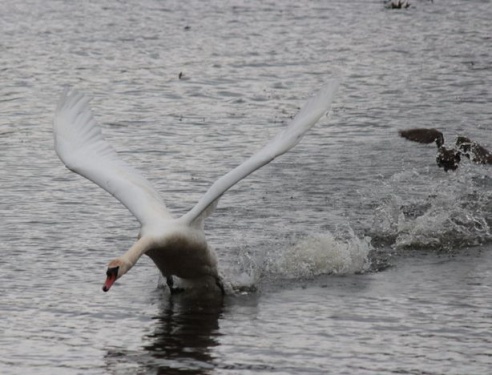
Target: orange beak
{"x": 111, "y": 276}
{"x": 109, "y": 282}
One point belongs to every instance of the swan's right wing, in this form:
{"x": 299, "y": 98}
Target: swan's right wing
{"x": 309, "y": 114}
{"x": 81, "y": 147}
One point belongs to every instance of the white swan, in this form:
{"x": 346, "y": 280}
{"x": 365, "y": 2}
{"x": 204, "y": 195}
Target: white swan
{"x": 177, "y": 246}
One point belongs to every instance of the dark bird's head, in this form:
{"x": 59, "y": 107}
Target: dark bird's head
{"x": 440, "y": 140}
{"x": 464, "y": 144}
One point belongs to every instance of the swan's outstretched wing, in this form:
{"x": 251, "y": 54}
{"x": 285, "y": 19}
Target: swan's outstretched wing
{"x": 309, "y": 114}
{"x": 81, "y": 147}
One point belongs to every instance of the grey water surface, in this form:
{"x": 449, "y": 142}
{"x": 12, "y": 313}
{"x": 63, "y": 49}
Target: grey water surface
{"x": 351, "y": 254}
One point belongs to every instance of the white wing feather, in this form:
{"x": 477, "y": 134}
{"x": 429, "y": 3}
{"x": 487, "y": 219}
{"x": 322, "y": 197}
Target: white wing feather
{"x": 309, "y": 114}
{"x": 80, "y": 145}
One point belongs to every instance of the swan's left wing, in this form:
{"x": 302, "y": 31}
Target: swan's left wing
{"x": 82, "y": 148}
{"x": 309, "y": 114}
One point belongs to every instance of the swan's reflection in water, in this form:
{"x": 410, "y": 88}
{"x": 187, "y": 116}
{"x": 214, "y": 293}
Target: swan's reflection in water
{"x": 185, "y": 331}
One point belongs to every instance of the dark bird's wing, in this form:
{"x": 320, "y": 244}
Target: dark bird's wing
{"x": 423, "y": 135}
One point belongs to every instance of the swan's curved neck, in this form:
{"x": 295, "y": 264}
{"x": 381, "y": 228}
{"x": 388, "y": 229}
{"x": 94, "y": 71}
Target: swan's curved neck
{"x": 138, "y": 249}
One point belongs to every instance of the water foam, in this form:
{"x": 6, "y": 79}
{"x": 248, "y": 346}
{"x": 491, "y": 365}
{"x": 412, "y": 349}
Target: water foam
{"x": 322, "y": 254}
{"x": 447, "y": 213}
{"x": 300, "y": 257}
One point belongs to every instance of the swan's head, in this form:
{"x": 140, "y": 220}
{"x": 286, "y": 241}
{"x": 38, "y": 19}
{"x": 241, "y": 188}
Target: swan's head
{"x": 116, "y": 269}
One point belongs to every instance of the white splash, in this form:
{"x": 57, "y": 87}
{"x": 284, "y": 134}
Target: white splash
{"x": 321, "y": 254}
{"x": 444, "y": 213}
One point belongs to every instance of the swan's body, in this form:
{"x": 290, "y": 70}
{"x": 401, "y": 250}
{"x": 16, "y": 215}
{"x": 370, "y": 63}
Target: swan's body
{"x": 177, "y": 246}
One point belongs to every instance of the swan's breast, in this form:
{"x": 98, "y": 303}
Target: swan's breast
{"x": 185, "y": 254}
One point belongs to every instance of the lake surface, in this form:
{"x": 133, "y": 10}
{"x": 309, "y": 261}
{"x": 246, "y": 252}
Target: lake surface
{"x": 355, "y": 254}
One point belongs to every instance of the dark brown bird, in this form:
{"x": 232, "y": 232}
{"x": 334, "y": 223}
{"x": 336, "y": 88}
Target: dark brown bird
{"x": 472, "y": 150}
{"x": 397, "y": 4}
{"x": 449, "y": 158}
